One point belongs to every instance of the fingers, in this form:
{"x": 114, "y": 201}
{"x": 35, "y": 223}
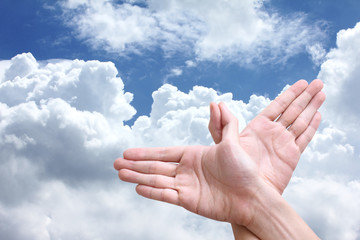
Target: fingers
{"x": 160, "y": 194}
{"x": 304, "y": 139}
{"x": 152, "y": 180}
{"x": 155, "y": 179}
{"x": 153, "y": 186}
{"x": 299, "y": 104}
{"x": 282, "y": 102}
{"x": 215, "y": 126}
{"x": 222, "y": 122}
{"x": 229, "y": 122}
{"x": 165, "y": 154}
{"x": 148, "y": 167}
{"x": 303, "y": 120}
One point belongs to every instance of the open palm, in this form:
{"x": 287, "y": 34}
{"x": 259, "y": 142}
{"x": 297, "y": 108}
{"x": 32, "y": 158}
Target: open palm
{"x": 276, "y": 146}
{"x": 275, "y": 149}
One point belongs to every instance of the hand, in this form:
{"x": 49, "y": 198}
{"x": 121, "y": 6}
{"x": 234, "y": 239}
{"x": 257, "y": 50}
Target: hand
{"x": 276, "y": 136}
{"x": 219, "y": 181}
{"x": 207, "y": 180}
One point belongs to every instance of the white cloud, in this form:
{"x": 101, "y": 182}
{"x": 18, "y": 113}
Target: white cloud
{"x": 21, "y": 66}
{"x": 82, "y": 84}
{"x": 106, "y": 211}
{"x": 56, "y": 119}
{"x": 178, "y": 118}
{"x": 116, "y": 28}
{"x": 341, "y": 73}
{"x": 239, "y": 31}
{"x": 176, "y": 71}
{"x": 329, "y": 205}
{"x": 4, "y": 65}
{"x": 190, "y": 63}
{"x": 317, "y": 53}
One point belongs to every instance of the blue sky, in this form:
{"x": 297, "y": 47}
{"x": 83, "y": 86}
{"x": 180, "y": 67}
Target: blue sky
{"x": 38, "y": 27}
{"x": 83, "y": 80}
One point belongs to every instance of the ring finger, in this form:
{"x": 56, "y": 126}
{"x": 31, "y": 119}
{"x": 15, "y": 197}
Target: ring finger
{"x": 300, "y": 103}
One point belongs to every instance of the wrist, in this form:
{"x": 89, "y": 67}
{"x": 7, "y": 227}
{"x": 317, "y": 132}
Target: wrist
{"x": 241, "y": 232}
{"x": 265, "y": 205}
{"x": 274, "y": 218}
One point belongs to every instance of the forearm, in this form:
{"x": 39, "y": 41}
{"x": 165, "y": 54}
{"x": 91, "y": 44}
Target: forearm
{"x": 274, "y": 218}
{"x": 242, "y": 233}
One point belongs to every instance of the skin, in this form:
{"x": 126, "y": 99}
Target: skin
{"x": 224, "y": 181}
{"x": 286, "y": 145}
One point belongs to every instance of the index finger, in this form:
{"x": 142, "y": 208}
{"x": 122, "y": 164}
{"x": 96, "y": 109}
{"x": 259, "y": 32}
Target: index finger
{"x": 165, "y": 154}
{"x": 281, "y": 103}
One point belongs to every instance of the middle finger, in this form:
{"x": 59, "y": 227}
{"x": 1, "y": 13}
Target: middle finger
{"x": 300, "y": 103}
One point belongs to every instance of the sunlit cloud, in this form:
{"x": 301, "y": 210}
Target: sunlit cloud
{"x": 237, "y": 31}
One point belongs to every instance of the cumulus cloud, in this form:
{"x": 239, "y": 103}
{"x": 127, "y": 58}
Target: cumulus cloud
{"x": 81, "y": 84}
{"x": 328, "y": 204}
{"x": 185, "y": 115}
{"x": 341, "y": 72}
{"x": 62, "y": 125}
{"x": 239, "y": 31}
{"x": 51, "y": 129}
{"x": 328, "y": 174}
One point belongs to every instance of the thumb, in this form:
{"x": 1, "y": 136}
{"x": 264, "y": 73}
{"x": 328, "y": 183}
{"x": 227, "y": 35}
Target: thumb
{"x": 229, "y": 122}
{"x": 215, "y": 126}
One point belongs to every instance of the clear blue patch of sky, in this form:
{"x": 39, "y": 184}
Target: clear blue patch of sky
{"x": 26, "y": 26}
{"x": 30, "y": 26}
